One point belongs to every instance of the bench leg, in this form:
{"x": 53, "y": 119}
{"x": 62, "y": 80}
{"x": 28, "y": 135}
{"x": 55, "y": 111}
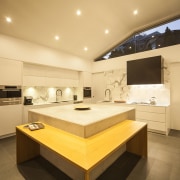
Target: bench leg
{"x": 138, "y": 143}
{"x": 26, "y": 148}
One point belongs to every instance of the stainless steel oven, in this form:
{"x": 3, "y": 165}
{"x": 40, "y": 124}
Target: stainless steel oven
{"x": 87, "y": 92}
{"x": 10, "y": 95}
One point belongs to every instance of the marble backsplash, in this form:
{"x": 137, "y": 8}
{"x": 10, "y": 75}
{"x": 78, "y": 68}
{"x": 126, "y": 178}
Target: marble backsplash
{"x": 116, "y": 82}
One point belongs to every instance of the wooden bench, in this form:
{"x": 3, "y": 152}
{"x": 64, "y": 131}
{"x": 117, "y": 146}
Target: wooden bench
{"x": 86, "y": 153}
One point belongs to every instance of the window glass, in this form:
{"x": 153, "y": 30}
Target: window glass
{"x": 161, "y": 36}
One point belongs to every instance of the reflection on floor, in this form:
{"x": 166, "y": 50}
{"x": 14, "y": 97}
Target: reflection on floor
{"x": 163, "y": 163}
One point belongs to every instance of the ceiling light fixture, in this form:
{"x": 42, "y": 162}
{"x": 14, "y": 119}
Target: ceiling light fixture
{"x": 8, "y": 19}
{"x": 56, "y": 38}
{"x": 135, "y": 12}
{"x": 78, "y": 12}
{"x": 106, "y": 31}
{"x": 85, "y": 48}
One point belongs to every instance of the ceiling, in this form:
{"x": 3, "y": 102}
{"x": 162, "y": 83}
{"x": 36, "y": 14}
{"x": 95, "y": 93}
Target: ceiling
{"x": 39, "y": 21}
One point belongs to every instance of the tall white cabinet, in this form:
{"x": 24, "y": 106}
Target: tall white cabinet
{"x": 10, "y": 115}
{"x": 175, "y": 95}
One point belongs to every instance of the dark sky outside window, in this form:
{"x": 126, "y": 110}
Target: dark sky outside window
{"x": 161, "y": 36}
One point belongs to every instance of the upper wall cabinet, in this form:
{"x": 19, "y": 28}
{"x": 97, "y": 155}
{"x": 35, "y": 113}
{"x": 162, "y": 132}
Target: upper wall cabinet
{"x": 85, "y": 79}
{"x": 37, "y": 75}
{"x": 10, "y": 72}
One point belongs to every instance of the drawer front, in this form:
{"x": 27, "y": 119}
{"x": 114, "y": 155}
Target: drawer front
{"x": 142, "y": 120}
{"x": 154, "y": 125}
{"x": 150, "y": 116}
{"x": 155, "y": 109}
{"x": 157, "y": 126}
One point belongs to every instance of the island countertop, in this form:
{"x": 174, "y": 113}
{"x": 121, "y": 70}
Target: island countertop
{"x": 82, "y": 117}
{"x": 83, "y": 123}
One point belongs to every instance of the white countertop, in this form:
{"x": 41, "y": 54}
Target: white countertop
{"x": 134, "y": 104}
{"x": 97, "y": 112}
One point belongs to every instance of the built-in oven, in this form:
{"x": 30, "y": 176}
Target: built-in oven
{"x": 87, "y": 92}
{"x": 10, "y": 95}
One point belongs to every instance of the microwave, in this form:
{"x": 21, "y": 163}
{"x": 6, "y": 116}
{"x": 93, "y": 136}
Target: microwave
{"x": 87, "y": 92}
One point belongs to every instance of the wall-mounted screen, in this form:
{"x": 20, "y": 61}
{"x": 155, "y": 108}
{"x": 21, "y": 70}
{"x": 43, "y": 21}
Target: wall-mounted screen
{"x": 145, "y": 71}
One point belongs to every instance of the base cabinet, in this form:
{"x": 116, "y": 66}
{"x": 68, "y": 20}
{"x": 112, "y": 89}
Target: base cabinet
{"x": 157, "y": 117}
{"x": 11, "y": 116}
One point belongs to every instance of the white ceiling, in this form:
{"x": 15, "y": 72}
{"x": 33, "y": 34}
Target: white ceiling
{"x": 40, "y": 20}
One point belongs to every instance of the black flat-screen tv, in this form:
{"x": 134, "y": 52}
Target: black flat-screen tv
{"x": 145, "y": 71}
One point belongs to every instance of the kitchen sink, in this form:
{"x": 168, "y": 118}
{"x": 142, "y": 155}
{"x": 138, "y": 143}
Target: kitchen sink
{"x": 105, "y": 101}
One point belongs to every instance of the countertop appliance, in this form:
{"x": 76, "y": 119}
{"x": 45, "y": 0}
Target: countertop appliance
{"x": 28, "y": 100}
{"x": 10, "y": 95}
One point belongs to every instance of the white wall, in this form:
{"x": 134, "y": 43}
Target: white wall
{"x": 17, "y": 49}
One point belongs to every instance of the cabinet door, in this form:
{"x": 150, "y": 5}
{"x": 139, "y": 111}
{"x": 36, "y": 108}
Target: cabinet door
{"x": 10, "y": 72}
{"x": 155, "y": 109}
{"x": 85, "y": 79}
{"x": 34, "y": 81}
{"x": 175, "y": 96}
{"x": 156, "y": 126}
{"x": 150, "y": 116}
{"x": 11, "y": 116}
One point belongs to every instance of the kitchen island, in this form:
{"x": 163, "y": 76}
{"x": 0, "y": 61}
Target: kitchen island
{"x": 82, "y": 158}
{"x": 82, "y": 140}
{"x": 85, "y": 122}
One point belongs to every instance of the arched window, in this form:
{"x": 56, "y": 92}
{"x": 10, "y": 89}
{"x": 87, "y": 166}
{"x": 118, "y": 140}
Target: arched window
{"x": 160, "y": 36}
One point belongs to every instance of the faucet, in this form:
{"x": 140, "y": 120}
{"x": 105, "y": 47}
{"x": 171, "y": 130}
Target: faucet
{"x": 108, "y": 90}
{"x": 58, "y": 93}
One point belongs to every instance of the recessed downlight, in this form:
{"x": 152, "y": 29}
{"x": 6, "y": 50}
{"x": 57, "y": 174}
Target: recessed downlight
{"x": 78, "y": 12}
{"x": 135, "y": 12}
{"x": 8, "y": 19}
{"x": 56, "y": 37}
{"x": 85, "y": 48}
{"x": 106, "y": 31}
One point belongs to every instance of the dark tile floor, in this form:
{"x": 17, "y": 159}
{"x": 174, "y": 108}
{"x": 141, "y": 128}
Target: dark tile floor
{"x": 163, "y": 163}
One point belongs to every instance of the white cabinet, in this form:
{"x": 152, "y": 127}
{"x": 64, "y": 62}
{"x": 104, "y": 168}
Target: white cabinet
{"x": 175, "y": 95}
{"x": 36, "y": 75}
{"x": 87, "y": 100}
{"x": 33, "y": 81}
{"x": 11, "y": 116}
{"x": 85, "y": 79}
{"x": 10, "y": 72}
{"x": 157, "y": 117}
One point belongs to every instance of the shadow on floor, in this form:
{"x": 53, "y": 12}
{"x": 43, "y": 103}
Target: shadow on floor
{"x": 174, "y": 133}
{"x": 121, "y": 168}
{"x": 39, "y": 168}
